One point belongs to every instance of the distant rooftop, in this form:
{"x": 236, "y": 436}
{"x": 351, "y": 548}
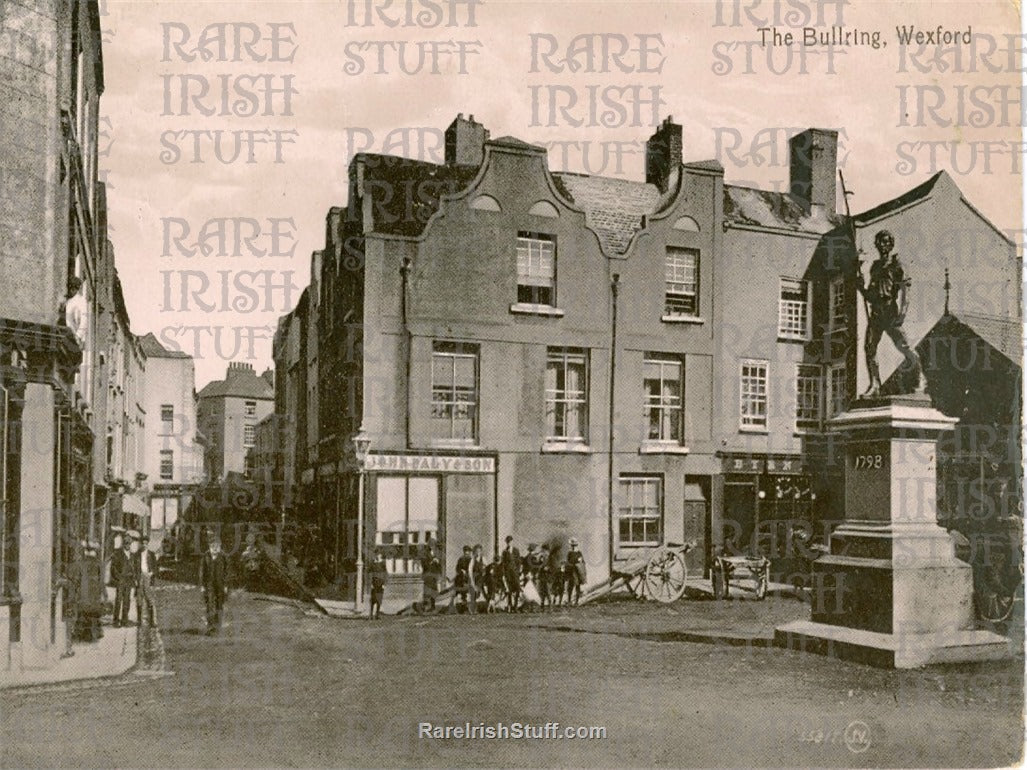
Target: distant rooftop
{"x": 152, "y": 348}
{"x": 1003, "y": 334}
{"x": 240, "y": 382}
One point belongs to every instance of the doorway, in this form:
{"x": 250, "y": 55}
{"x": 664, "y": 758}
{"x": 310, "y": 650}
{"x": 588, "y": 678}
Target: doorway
{"x": 739, "y": 517}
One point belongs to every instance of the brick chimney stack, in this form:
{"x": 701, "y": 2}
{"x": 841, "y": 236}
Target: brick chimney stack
{"x": 237, "y": 368}
{"x": 814, "y": 168}
{"x": 465, "y": 142}
{"x": 663, "y": 153}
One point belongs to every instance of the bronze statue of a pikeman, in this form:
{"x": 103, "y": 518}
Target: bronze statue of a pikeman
{"x": 887, "y": 299}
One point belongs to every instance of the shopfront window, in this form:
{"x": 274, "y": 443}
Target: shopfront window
{"x": 408, "y": 517}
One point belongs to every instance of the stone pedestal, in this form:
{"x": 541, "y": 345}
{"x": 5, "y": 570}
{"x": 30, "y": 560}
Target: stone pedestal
{"x": 891, "y": 591}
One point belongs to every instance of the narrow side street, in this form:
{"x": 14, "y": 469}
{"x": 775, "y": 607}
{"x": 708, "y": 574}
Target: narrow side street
{"x": 284, "y": 687}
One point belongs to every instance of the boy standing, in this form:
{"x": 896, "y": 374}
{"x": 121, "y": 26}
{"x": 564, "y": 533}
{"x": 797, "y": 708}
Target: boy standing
{"x": 575, "y": 572}
{"x": 431, "y": 573}
{"x": 462, "y": 581}
{"x": 378, "y": 574}
{"x": 511, "y": 560}
{"x": 545, "y": 570}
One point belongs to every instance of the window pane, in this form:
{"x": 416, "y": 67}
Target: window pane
{"x": 536, "y": 269}
{"x": 566, "y": 394}
{"x": 424, "y": 504}
{"x": 639, "y": 514}
{"x": 663, "y": 389}
{"x": 454, "y": 391}
{"x": 792, "y": 309}
{"x": 807, "y": 396}
{"x": 681, "y": 282}
{"x": 441, "y": 370}
{"x": 837, "y": 303}
{"x": 391, "y": 503}
{"x": 753, "y": 392}
{"x": 463, "y": 375}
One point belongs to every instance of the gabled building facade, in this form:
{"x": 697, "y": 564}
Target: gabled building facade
{"x": 483, "y": 321}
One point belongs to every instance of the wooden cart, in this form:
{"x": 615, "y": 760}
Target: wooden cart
{"x": 734, "y": 569}
{"x": 658, "y": 574}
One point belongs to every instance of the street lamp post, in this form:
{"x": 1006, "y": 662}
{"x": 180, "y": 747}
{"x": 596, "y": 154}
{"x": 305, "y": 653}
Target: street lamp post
{"x": 361, "y": 443}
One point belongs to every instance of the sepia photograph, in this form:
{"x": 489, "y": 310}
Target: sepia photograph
{"x": 511, "y": 383}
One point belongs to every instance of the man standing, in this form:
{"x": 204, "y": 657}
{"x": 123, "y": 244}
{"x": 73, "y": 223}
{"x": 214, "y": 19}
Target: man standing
{"x": 123, "y": 576}
{"x": 887, "y": 299}
{"x": 511, "y": 574}
{"x": 431, "y": 574}
{"x": 89, "y": 578}
{"x": 146, "y": 571}
{"x": 477, "y": 574}
{"x": 378, "y": 573}
{"x": 214, "y": 583}
{"x": 462, "y": 580}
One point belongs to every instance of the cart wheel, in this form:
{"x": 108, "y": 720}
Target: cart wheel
{"x": 720, "y": 584}
{"x": 762, "y": 583}
{"x": 665, "y": 577}
{"x": 994, "y": 606}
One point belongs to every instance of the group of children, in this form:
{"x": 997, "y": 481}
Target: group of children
{"x": 537, "y": 579}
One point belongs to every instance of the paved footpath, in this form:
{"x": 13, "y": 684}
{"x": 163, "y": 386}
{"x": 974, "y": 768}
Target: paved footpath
{"x": 285, "y": 686}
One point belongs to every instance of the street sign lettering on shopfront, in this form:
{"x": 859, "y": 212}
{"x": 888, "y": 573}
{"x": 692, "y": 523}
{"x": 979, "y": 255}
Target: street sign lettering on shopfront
{"x": 431, "y": 464}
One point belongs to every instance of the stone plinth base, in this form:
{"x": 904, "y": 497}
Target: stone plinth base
{"x": 892, "y": 650}
{"x": 909, "y": 594}
{"x": 891, "y": 592}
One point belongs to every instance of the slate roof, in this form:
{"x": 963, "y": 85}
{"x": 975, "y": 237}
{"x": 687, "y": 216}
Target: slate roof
{"x": 407, "y": 192}
{"x": 153, "y": 349}
{"x": 1003, "y": 334}
{"x": 513, "y": 141}
{"x": 767, "y": 208}
{"x": 613, "y": 207}
{"x": 918, "y": 192}
{"x": 241, "y": 384}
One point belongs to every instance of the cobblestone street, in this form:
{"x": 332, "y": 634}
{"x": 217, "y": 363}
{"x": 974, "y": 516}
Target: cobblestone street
{"x": 282, "y": 686}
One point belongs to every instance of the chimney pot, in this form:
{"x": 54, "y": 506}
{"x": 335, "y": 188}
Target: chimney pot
{"x": 465, "y": 142}
{"x": 663, "y": 154}
{"x": 813, "y": 177}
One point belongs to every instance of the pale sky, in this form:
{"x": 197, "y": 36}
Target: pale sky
{"x": 714, "y": 78}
